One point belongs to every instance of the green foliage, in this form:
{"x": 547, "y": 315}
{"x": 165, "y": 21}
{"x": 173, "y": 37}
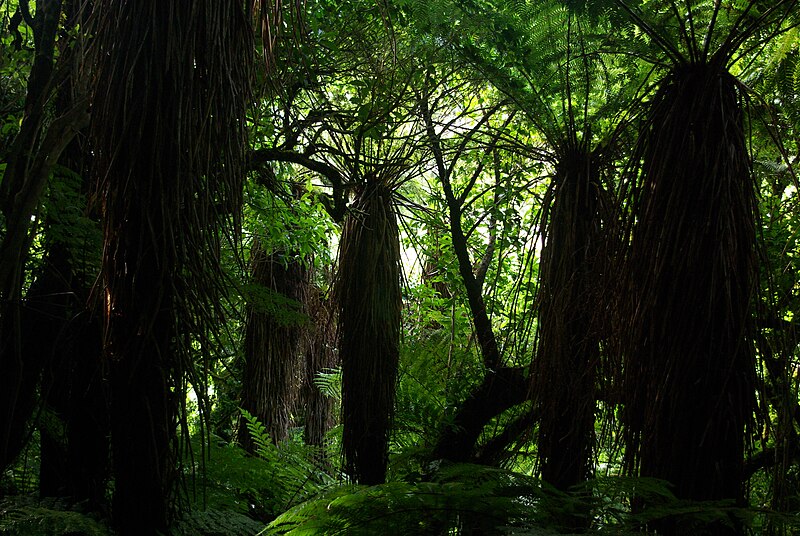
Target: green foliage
{"x": 329, "y": 381}
{"x": 235, "y": 493}
{"x": 69, "y": 224}
{"x": 215, "y": 523}
{"x": 436, "y": 368}
{"x": 348, "y": 89}
{"x": 284, "y": 311}
{"x": 297, "y": 225}
{"x": 23, "y": 516}
{"x": 458, "y": 497}
{"x": 15, "y": 60}
{"x": 280, "y": 476}
{"x": 22, "y": 477}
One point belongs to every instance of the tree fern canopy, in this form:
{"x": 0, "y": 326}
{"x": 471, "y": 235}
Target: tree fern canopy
{"x": 403, "y": 267}
{"x": 699, "y": 30}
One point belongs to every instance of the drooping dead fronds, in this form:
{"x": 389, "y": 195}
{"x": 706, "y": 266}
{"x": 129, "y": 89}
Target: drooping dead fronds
{"x": 568, "y": 343}
{"x": 319, "y": 344}
{"x": 369, "y": 304}
{"x": 170, "y": 85}
{"x": 272, "y": 341}
{"x": 692, "y": 268}
{"x": 283, "y": 31}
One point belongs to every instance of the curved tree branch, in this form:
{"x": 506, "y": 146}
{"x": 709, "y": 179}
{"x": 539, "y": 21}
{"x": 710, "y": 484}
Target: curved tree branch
{"x": 500, "y": 390}
{"x": 338, "y": 183}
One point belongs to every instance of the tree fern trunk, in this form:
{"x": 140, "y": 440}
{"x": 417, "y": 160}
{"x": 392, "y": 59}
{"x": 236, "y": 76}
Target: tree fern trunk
{"x": 319, "y": 353}
{"x": 568, "y": 348}
{"x": 690, "y": 365}
{"x": 140, "y": 332}
{"x": 272, "y": 342}
{"x": 369, "y": 302}
{"x": 171, "y": 84}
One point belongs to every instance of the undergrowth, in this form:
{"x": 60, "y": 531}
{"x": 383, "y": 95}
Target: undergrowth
{"x": 295, "y": 489}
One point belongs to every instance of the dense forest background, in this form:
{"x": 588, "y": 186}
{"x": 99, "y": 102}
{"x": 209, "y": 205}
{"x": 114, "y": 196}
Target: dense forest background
{"x": 399, "y": 267}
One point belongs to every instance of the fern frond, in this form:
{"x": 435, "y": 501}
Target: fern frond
{"x": 258, "y": 433}
{"x": 462, "y": 497}
{"x": 329, "y": 381}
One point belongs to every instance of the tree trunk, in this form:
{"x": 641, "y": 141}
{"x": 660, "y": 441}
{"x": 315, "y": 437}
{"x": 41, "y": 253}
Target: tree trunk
{"x": 568, "y": 345}
{"x": 273, "y": 330}
{"x": 140, "y": 330}
{"x": 168, "y": 114}
{"x": 319, "y": 353}
{"x": 369, "y": 301}
{"x": 691, "y": 367}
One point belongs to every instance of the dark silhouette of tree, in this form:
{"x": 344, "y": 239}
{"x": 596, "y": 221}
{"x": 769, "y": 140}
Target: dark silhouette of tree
{"x": 369, "y": 302}
{"x": 690, "y": 369}
{"x": 319, "y": 349}
{"x": 170, "y": 90}
{"x": 568, "y": 350}
{"x": 30, "y": 159}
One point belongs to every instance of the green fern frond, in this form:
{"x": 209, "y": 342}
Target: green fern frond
{"x": 24, "y": 516}
{"x": 285, "y": 311}
{"x": 278, "y": 478}
{"x": 464, "y": 498}
{"x": 329, "y": 381}
{"x": 796, "y": 75}
{"x": 258, "y": 433}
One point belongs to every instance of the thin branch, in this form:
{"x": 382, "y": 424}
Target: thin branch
{"x": 483, "y": 325}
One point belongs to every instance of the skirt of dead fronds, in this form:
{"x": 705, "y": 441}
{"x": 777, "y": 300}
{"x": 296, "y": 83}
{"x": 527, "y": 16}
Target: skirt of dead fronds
{"x": 369, "y": 302}
{"x": 690, "y": 367}
{"x": 568, "y": 345}
{"x": 272, "y": 342}
{"x": 318, "y": 348}
{"x": 168, "y": 179}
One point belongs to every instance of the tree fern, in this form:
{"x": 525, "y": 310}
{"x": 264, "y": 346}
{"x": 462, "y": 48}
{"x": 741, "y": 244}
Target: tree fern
{"x": 548, "y": 58}
{"x": 694, "y": 31}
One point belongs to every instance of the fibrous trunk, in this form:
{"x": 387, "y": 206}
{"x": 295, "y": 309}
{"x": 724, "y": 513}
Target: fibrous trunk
{"x": 170, "y": 82}
{"x": 318, "y": 347}
{"x": 369, "y": 301}
{"x": 690, "y": 367}
{"x": 568, "y": 347}
{"x": 272, "y": 342}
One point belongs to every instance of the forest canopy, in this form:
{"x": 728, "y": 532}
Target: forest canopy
{"x": 399, "y": 267}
